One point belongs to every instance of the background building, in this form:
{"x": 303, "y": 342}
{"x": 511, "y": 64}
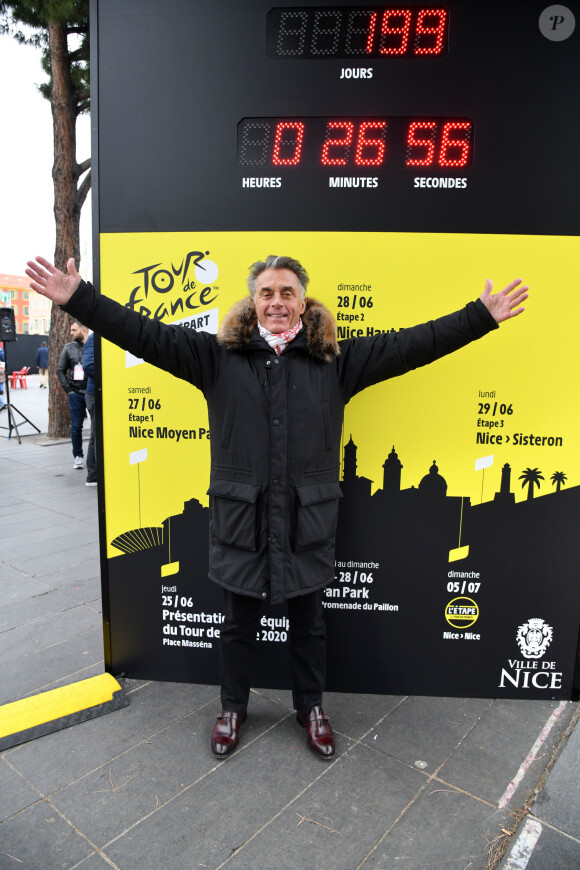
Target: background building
{"x": 31, "y": 311}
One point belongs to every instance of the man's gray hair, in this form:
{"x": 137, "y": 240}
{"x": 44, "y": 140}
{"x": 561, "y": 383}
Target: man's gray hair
{"x": 274, "y": 262}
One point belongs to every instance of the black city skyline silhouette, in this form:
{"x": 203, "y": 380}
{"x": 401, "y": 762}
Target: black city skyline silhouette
{"x": 366, "y": 514}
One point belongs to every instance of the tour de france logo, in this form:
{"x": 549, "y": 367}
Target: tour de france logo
{"x": 165, "y": 290}
{"x": 534, "y": 638}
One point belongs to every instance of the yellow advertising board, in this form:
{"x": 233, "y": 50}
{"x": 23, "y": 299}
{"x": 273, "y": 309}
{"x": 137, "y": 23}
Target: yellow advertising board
{"x": 499, "y": 397}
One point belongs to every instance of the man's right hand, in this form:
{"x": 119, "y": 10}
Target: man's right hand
{"x": 49, "y": 281}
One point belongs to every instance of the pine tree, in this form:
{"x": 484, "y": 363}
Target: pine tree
{"x": 60, "y": 28}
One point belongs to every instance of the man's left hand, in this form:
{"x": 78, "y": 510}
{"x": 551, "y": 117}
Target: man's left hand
{"x": 507, "y": 303}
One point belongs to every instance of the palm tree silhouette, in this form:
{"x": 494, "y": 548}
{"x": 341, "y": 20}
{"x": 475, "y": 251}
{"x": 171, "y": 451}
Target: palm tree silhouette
{"x": 531, "y": 477}
{"x": 558, "y": 479}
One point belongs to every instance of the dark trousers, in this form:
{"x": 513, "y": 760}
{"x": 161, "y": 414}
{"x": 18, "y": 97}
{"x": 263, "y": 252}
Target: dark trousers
{"x": 77, "y": 408}
{"x": 91, "y": 450}
{"x": 307, "y": 640}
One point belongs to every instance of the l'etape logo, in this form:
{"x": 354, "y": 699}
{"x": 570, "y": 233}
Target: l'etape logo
{"x": 461, "y": 612}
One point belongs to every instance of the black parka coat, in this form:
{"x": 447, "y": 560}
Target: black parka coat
{"x": 275, "y": 424}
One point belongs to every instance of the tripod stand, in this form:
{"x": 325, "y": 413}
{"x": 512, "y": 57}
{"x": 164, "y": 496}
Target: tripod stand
{"x": 12, "y": 409}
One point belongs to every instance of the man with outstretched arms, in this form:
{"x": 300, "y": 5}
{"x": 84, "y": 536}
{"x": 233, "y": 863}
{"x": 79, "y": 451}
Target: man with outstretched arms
{"x": 276, "y": 382}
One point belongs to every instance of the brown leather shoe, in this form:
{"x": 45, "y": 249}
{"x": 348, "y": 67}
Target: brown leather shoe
{"x": 226, "y": 733}
{"x": 319, "y": 734}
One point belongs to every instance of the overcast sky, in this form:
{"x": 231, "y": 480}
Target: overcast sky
{"x": 26, "y": 154}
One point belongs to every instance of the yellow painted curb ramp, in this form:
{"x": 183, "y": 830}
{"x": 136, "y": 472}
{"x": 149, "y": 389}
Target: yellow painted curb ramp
{"x": 51, "y": 711}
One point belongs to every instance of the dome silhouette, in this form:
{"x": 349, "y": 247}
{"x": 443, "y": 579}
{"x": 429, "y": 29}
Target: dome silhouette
{"x": 433, "y": 484}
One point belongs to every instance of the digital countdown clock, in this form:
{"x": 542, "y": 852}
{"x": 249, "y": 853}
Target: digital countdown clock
{"x": 451, "y": 117}
{"x": 356, "y": 143}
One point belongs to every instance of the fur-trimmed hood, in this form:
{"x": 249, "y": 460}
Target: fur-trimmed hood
{"x": 319, "y": 327}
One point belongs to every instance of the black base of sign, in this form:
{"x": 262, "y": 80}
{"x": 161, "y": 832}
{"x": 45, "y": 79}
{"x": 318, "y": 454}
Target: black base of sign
{"x": 483, "y": 626}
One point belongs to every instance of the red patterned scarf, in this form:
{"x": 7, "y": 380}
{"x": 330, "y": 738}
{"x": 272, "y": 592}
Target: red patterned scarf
{"x": 279, "y": 340}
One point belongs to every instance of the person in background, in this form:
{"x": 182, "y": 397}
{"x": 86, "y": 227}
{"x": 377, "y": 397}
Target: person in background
{"x": 71, "y": 375}
{"x": 89, "y": 367}
{"x": 42, "y": 364}
{"x": 2, "y": 379}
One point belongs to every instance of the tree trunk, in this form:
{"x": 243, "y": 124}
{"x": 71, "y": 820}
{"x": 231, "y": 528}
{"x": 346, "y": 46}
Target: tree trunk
{"x": 65, "y": 174}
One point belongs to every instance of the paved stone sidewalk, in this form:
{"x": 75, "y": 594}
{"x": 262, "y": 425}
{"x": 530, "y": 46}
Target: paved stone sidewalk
{"x": 418, "y": 783}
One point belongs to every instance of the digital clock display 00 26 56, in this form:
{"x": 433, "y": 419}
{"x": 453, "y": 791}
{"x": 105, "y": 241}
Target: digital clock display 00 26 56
{"x": 319, "y": 32}
{"x": 356, "y": 143}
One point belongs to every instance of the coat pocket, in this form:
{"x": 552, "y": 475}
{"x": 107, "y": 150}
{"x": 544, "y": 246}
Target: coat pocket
{"x": 317, "y": 514}
{"x": 233, "y": 512}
